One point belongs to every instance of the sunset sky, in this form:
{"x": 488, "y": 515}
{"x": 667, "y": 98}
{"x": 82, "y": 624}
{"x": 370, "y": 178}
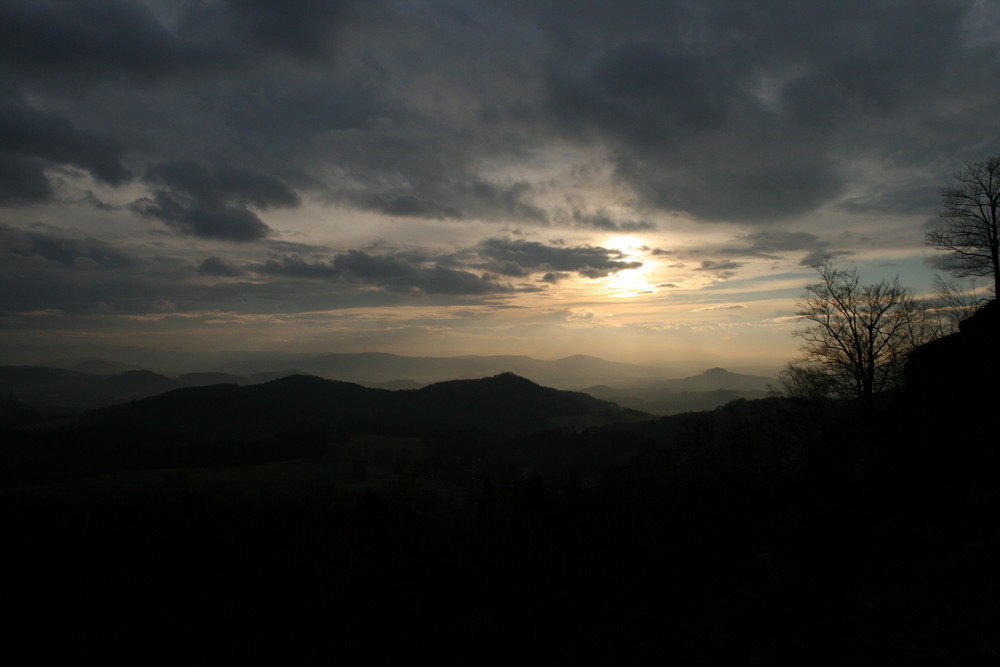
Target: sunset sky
{"x": 639, "y": 181}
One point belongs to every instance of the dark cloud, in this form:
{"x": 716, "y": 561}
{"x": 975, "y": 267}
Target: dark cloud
{"x": 389, "y": 272}
{"x": 451, "y": 200}
{"x": 513, "y": 269}
{"x": 210, "y": 221}
{"x": 518, "y": 256}
{"x": 94, "y": 38}
{"x": 212, "y": 203}
{"x": 246, "y": 186}
{"x": 293, "y": 266}
{"x": 292, "y": 248}
{"x": 22, "y": 180}
{"x": 85, "y": 253}
{"x": 723, "y": 270}
{"x": 659, "y": 109}
{"x": 91, "y": 199}
{"x": 494, "y": 200}
{"x": 35, "y": 140}
{"x": 643, "y": 92}
{"x": 410, "y": 206}
{"x": 717, "y": 266}
{"x": 242, "y": 186}
{"x": 216, "y": 266}
{"x": 729, "y": 114}
{"x": 394, "y": 272}
{"x": 602, "y": 221}
{"x": 555, "y": 277}
{"x": 101, "y": 38}
{"x": 52, "y": 270}
{"x": 820, "y": 255}
{"x": 705, "y": 108}
{"x": 33, "y": 284}
{"x": 771, "y": 244}
{"x": 774, "y": 244}
{"x": 743, "y": 112}
{"x": 760, "y": 185}
{"x": 915, "y": 196}
{"x": 302, "y": 29}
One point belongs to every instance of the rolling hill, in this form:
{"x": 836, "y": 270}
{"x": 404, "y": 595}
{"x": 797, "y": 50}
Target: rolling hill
{"x": 504, "y": 404}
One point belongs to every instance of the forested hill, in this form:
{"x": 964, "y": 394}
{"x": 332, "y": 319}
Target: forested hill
{"x": 501, "y": 405}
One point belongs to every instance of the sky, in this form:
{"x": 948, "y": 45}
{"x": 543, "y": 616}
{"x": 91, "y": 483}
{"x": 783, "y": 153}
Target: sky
{"x": 638, "y": 181}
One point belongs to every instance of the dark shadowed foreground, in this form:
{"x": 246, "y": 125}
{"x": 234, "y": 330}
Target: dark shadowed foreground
{"x": 765, "y": 532}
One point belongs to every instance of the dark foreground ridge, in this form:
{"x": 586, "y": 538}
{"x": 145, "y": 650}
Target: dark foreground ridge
{"x": 430, "y": 525}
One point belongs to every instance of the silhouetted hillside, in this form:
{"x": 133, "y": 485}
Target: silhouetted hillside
{"x": 94, "y": 366}
{"x": 128, "y": 386}
{"x": 501, "y": 405}
{"x": 258, "y": 378}
{"x": 20, "y": 381}
{"x": 380, "y": 367}
{"x": 58, "y": 388}
{"x": 205, "y": 379}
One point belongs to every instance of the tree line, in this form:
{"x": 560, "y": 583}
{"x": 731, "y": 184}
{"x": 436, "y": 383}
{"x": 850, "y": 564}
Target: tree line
{"x": 859, "y": 335}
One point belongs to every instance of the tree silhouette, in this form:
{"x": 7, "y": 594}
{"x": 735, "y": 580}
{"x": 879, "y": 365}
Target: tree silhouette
{"x": 858, "y": 338}
{"x": 970, "y": 213}
{"x": 954, "y": 303}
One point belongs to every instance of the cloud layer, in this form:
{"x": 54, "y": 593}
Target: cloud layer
{"x": 311, "y": 154}
{"x": 704, "y": 108}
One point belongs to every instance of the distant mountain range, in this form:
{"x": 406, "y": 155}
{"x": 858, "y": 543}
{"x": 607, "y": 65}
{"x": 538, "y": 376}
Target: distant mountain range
{"x": 370, "y": 368}
{"x": 61, "y": 388}
{"x": 710, "y": 389}
{"x": 107, "y": 383}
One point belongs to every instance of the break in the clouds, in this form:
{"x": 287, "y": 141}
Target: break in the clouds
{"x": 280, "y": 154}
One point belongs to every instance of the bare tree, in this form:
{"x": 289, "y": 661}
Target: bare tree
{"x": 953, "y": 302}
{"x": 970, "y": 213}
{"x": 858, "y": 337}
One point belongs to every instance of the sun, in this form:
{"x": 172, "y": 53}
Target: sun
{"x": 629, "y": 283}
{"x": 626, "y": 244}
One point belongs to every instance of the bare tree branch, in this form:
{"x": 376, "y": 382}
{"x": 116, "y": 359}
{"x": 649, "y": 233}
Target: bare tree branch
{"x": 970, "y": 211}
{"x": 858, "y": 338}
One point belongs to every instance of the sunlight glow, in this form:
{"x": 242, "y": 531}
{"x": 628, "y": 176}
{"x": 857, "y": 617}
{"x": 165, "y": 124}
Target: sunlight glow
{"x": 630, "y": 282}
